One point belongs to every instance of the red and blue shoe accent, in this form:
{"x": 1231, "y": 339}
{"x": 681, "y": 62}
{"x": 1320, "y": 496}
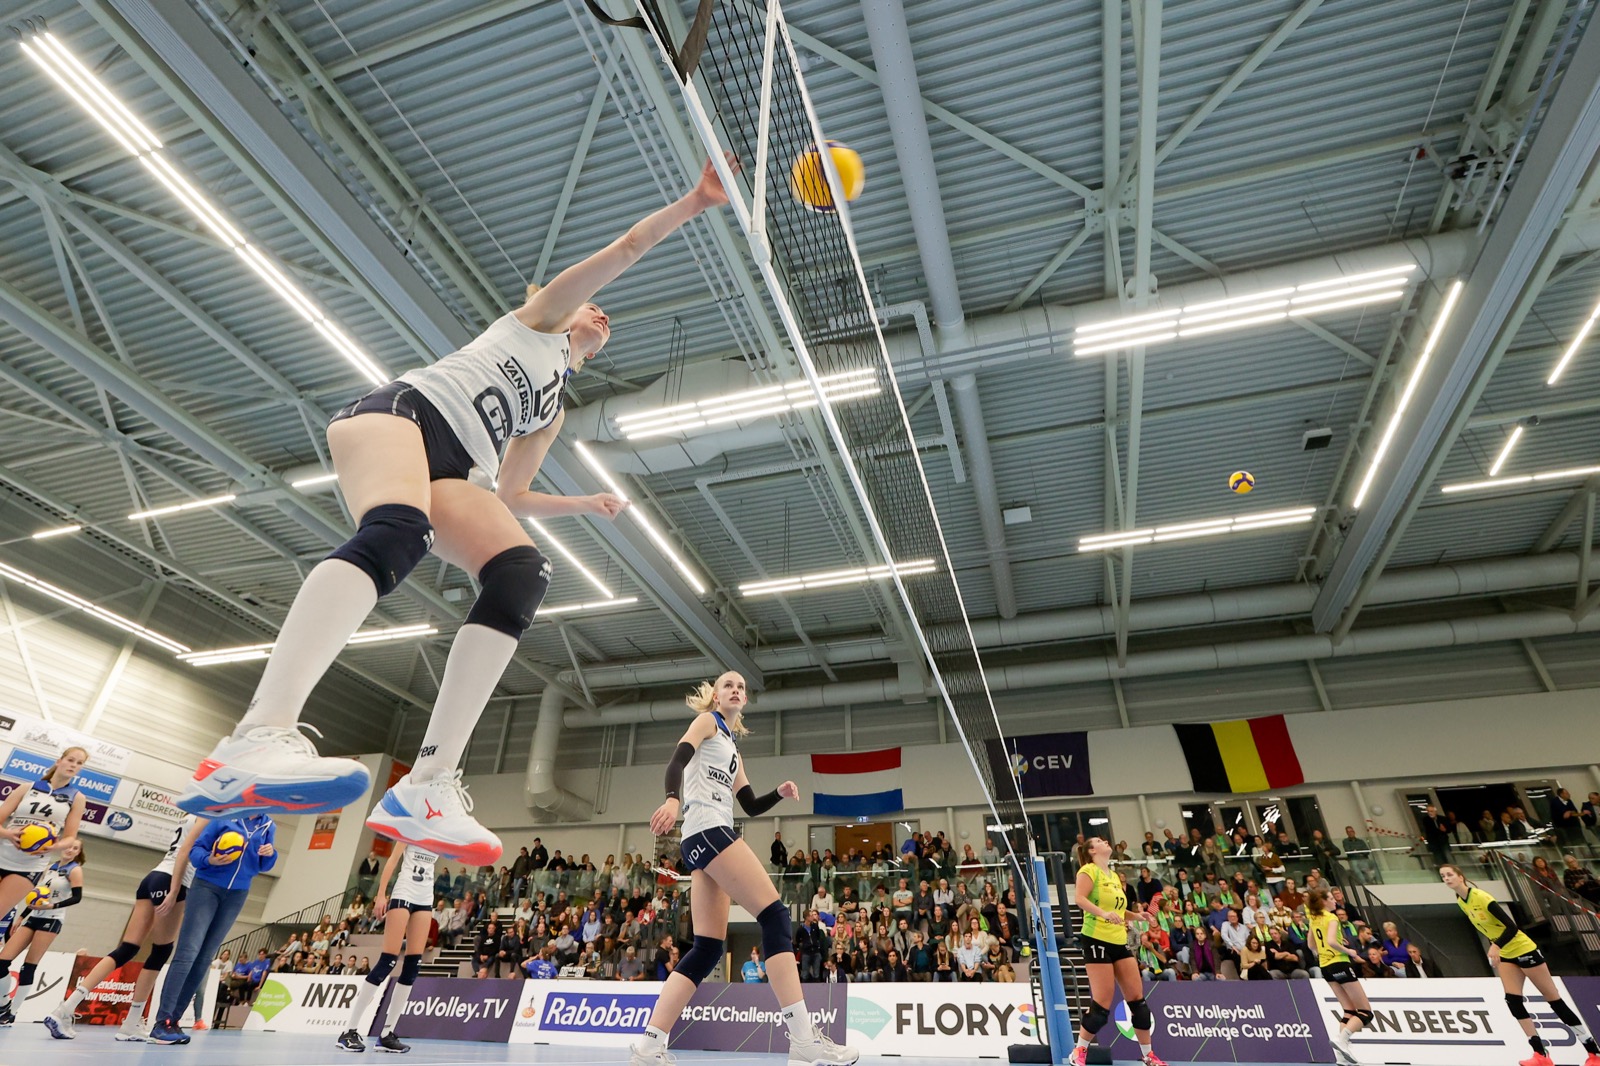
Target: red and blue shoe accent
{"x": 270, "y": 770}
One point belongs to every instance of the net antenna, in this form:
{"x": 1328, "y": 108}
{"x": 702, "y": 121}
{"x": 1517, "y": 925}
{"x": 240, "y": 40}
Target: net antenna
{"x": 812, "y": 268}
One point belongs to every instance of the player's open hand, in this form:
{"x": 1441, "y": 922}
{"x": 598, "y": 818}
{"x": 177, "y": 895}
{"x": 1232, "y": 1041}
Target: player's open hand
{"x": 709, "y": 190}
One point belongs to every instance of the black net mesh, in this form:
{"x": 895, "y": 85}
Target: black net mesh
{"x": 818, "y": 272}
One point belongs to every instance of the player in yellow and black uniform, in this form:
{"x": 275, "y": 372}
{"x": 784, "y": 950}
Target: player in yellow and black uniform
{"x": 1104, "y": 940}
{"x": 1517, "y": 959}
{"x": 1333, "y": 958}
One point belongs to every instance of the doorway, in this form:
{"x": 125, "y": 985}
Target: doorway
{"x": 866, "y": 838}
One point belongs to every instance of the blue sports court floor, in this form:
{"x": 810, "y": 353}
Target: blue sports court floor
{"x": 27, "y": 1044}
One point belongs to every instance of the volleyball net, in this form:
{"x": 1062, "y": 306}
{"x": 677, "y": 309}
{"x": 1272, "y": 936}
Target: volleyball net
{"x": 746, "y": 95}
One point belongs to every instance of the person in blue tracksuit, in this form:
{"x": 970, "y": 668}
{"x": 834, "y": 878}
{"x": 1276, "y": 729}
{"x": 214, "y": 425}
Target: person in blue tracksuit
{"x": 215, "y": 899}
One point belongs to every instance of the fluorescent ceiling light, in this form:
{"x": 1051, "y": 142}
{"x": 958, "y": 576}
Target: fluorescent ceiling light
{"x": 58, "y": 531}
{"x": 55, "y": 592}
{"x": 640, "y": 517}
{"x": 1572, "y": 348}
{"x": 747, "y": 404}
{"x": 1237, "y": 312}
{"x": 550, "y": 538}
{"x": 101, "y": 104}
{"x": 1450, "y": 297}
{"x": 1570, "y": 474}
{"x": 247, "y": 652}
{"x": 1187, "y": 530}
{"x": 175, "y": 508}
{"x": 1505, "y": 451}
{"x": 597, "y": 605}
{"x": 317, "y": 479}
{"x": 853, "y": 576}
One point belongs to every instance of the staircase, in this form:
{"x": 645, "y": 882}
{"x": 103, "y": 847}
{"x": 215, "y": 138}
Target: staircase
{"x": 1568, "y": 920}
{"x": 446, "y": 962}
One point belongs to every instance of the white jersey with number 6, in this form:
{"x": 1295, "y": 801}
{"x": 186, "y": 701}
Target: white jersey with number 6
{"x": 708, "y": 782}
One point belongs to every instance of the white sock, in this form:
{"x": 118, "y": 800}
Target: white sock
{"x": 1082, "y": 1042}
{"x": 799, "y": 1021}
{"x": 397, "y": 1006}
{"x": 79, "y": 994}
{"x": 327, "y": 610}
{"x": 135, "y": 1018}
{"x": 478, "y": 656}
{"x": 7, "y": 983}
{"x": 653, "y": 1039}
{"x": 364, "y": 997}
{"x": 1343, "y": 1038}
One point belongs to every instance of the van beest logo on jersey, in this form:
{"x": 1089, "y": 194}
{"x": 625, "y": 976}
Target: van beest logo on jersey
{"x": 582, "y": 1012}
{"x": 517, "y": 378}
{"x": 1044, "y": 764}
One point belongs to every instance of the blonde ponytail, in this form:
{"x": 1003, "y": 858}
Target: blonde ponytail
{"x": 704, "y": 698}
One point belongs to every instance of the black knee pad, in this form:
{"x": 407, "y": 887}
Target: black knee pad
{"x": 777, "y": 931}
{"x": 1363, "y": 1016}
{"x": 159, "y": 954}
{"x": 513, "y": 583}
{"x": 1095, "y": 1017}
{"x": 1517, "y": 1006}
{"x": 698, "y": 962}
{"x": 391, "y": 541}
{"x": 25, "y": 977}
{"x": 409, "y": 970}
{"x": 1139, "y": 1015}
{"x": 382, "y": 968}
{"x": 124, "y": 952}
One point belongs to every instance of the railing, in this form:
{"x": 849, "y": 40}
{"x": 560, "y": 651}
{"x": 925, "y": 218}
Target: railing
{"x": 1376, "y": 912}
{"x": 797, "y": 886}
{"x": 1569, "y": 919}
{"x": 247, "y": 944}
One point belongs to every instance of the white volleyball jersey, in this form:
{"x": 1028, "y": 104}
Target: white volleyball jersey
{"x": 505, "y": 383}
{"x": 708, "y": 782}
{"x": 169, "y": 861}
{"x": 40, "y": 806}
{"x": 414, "y": 882}
{"x": 60, "y": 888}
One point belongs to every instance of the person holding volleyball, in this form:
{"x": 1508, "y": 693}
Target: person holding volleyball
{"x": 226, "y": 855}
{"x": 1516, "y": 959}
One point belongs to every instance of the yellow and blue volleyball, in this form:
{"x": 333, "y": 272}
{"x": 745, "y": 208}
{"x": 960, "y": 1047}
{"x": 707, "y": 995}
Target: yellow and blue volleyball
{"x": 808, "y": 180}
{"x": 38, "y": 896}
{"x": 1241, "y": 481}
{"x": 227, "y": 848}
{"x": 35, "y": 837}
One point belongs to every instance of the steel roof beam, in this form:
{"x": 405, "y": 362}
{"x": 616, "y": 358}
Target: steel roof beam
{"x": 1520, "y": 246}
{"x": 181, "y": 52}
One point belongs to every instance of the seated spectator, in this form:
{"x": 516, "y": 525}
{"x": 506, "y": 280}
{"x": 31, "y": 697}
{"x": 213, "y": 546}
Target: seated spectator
{"x": 1284, "y": 960}
{"x": 1543, "y": 874}
{"x": 1579, "y": 881}
{"x": 822, "y": 902}
{"x": 1153, "y": 962}
{"x": 944, "y": 964}
{"x": 542, "y": 967}
{"x": 630, "y": 968}
{"x": 1371, "y": 964}
{"x": 1396, "y": 949}
{"x": 1203, "y": 959}
{"x": 1147, "y": 887}
{"x": 1253, "y": 960}
{"x": 969, "y": 959}
{"x": 1417, "y": 966}
{"x": 337, "y": 965}
{"x": 919, "y": 959}
{"x": 666, "y": 961}
{"x": 994, "y": 960}
{"x": 903, "y": 900}
{"x": 1291, "y": 897}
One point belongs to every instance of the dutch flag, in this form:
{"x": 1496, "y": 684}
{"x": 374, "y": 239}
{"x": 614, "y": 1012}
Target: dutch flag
{"x": 858, "y": 785}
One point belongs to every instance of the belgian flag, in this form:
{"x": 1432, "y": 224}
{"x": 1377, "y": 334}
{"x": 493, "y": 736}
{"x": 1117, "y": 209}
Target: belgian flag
{"x": 1249, "y": 755}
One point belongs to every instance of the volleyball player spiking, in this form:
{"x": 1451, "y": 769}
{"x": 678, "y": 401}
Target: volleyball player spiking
{"x": 1516, "y": 960}
{"x": 403, "y": 453}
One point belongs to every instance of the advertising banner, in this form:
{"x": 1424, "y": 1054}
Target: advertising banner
{"x": 36, "y": 734}
{"x": 148, "y": 799}
{"x": 51, "y": 983}
{"x": 109, "y": 1000}
{"x": 454, "y": 1008}
{"x": 745, "y": 1018}
{"x": 939, "y": 1020}
{"x": 27, "y": 766}
{"x": 304, "y": 1003}
{"x": 1230, "y": 1021}
{"x": 1455, "y": 1022}
{"x": 131, "y": 827}
{"x": 591, "y": 1013}
{"x": 322, "y": 833}
{"x": 1045, "y": 764}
